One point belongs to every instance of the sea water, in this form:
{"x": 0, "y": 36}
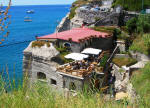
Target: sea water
{"x": 44, "y": 21}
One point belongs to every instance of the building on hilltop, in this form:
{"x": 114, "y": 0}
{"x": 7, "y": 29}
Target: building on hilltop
{"x": 79, "y": 38}
{"x": 38, "y": 61}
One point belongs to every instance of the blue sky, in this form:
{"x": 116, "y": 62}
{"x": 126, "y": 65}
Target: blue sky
{"x": 36, "y": 2}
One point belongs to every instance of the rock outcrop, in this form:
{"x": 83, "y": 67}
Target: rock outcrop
{"x": 38, "y": 60}
{"x": 64, "y": 24}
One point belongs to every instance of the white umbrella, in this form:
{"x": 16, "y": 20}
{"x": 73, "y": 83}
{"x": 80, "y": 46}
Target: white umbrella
{"x": 76, "y": 56}
{"x": 91, "y": 51}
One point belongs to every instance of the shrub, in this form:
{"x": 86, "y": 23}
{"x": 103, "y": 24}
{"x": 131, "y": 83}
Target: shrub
{"x": 143, "y": 24}
{"x": 132, "y": 25}
{"x": 40, "y": 44}
{"x": 141, "y": 44}
{"x": 140, "y": 24}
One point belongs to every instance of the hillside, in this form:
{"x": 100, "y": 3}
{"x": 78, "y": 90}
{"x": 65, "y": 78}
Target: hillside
{"x": 132, "y": 5}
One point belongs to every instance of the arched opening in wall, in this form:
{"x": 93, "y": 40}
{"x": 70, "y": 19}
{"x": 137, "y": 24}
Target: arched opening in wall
{"x": 41, "y": 75}
{"x": 67, "y": 45}
{"x": 54, "y": 82}
{"x": 72, "y": 86}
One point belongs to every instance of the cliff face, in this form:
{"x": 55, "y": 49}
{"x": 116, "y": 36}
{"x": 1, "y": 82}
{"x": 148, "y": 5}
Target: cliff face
{"x": 64, "y": 24}
{"x": 38, "y": 60}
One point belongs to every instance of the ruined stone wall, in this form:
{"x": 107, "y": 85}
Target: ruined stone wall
{"x": 78, "y": 82}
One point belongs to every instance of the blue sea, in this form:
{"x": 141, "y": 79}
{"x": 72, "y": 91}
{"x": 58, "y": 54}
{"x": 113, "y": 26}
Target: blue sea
{"x": 44, "y": 21}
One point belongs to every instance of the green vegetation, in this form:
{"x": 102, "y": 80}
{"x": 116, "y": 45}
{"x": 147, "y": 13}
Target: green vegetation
{"x": 104, "y": 60}
{"x": 72, "y": 12}
{"x": 80, "y": 2}
{"x": 104, "y": 29}
{"x": 40, "y": 44}
{"x": 75, "y": 5}
{"x": 143, "y": 24}
{"x": 132, "y": 25}
{"x": 121, "y": 34}
{"x": 141, "y": 82}
{"x": 139, "y": 24}
{"x": 141, "y": 44}
{"x": 132, "y": 5}
{"x": 63, "y": 52}
{"x": 122, "y": 61}
{"x": 41, "y": 96}
{"x": 113, "y": 30}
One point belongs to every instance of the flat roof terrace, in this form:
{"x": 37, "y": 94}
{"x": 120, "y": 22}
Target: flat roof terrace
{"x": 81, "y": 69}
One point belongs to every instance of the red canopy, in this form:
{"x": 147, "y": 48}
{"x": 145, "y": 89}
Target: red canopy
{"x": 75, "y": 34}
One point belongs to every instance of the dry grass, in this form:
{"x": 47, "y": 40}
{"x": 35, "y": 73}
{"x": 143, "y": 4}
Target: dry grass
{"x": 107, "y": 29}
{"x": 124, "y": 61}
{"x": 40, "y": 44}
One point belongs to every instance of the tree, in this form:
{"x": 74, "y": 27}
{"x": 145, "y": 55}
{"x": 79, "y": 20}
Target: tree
{"x": 4, "y": 22}
{"x": 132, "y": 25}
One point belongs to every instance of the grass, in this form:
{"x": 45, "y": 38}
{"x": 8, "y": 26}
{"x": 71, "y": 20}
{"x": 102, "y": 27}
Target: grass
{"x": 141, "y": 82}
{"x": 141, "y": 44}
{"x": 40, "y": 95}
{"x": 122, "y": 61}
{"x": 40, "y": 44}
{"x": 104, "y": 29}
{"x": 132, "y": 5}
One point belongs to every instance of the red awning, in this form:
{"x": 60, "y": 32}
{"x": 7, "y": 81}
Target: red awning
{"x": 75, "y": 34}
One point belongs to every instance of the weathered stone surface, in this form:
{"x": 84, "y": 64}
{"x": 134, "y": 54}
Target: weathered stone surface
{"x": 44, "y": 52}
{"x": 64, "y": 24}
{"x": 121, "y": 95}
{"x": 39, "y": 60}
{"x": 122, "y": 83}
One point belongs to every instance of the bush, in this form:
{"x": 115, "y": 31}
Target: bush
{"x": 132, "y": 25}
{"x": 40, "y": 44}
{"x": 139, "y": 25}
{"x": 141, "y": 44}
{"x": 143, "y": 24}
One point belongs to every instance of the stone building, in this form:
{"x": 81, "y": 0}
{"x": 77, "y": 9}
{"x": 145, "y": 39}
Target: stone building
{"x": 38, "y": 65}
{"x": 79, "y": 38}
